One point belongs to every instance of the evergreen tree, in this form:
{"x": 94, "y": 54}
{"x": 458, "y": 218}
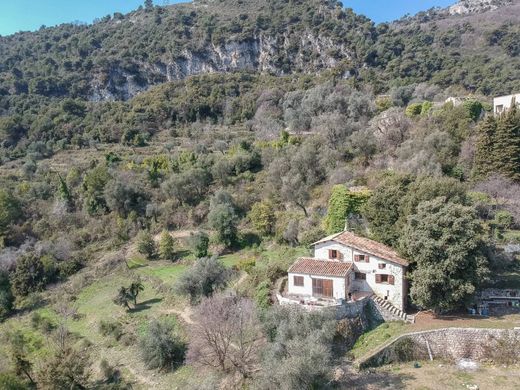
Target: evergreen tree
{"x": 63, "y": 191}
{"x": 484, "y": 153}
{"x": 166, "y": 246}
{"x": 146, "y": 244}
{"x": 507, "y": 145}
{"x": 444, "y": 240}
{"x": 6, "y": 296}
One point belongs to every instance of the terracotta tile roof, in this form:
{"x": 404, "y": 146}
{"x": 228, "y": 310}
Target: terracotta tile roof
{"x": 320, "y": 267}
{"x": 366, "y": 245}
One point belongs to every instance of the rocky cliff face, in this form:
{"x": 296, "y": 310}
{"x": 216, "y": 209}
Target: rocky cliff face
{"x": 263, "y": 53}
{"x": 476, "y": 6}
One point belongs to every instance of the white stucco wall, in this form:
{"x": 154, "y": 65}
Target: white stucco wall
{"x": 504, "y": 101}
{"x": 338, "y": 285}
{"x": 395, "y": 293}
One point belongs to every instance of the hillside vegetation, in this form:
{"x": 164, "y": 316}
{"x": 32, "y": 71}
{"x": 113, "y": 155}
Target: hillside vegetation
{"x": 161, "y": 170}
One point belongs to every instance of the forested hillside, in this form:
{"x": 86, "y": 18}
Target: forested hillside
{"x": 152, "y": 160}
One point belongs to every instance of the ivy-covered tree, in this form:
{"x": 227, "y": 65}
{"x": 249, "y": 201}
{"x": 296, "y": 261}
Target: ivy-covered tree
{"x": 343, "y": 203}
{"x": 263, "y": 218}
{"x": 6, "y": 295}
{"x": 444, "y": 242}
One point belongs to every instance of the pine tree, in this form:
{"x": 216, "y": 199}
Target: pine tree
{"x": 484, "y": 154}
{"x": 507, "y": 146}
{"x": 166, "y": 246}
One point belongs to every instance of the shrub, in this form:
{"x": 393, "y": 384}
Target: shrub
{"x": 6, "y": 296}
{"x": 111, "y": 328}
{"x": 146, "y": 244}
{"x": 414, "y": 109}
{"x": 199, "y": 243}
{"x": 161, "y": 347}
{"x": 11, "y": 382}
{"x": 44, "y": 324}
{"x": 263, "y": 294}
{"x": 205, "y": 277}
{"x": 29, "y": 276}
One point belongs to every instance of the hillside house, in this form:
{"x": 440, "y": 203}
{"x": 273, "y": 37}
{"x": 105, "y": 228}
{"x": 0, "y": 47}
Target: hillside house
{"x": 346, "y": 267}
{"x": 504, "y": 103}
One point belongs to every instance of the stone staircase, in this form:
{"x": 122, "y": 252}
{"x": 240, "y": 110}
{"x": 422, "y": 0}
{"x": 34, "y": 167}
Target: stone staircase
{"x": 389, "y": 312}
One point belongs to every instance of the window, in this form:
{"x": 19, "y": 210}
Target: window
{"x": 382, "y": 265}
{"x": 360, "y": 276}
{"x": 362, "y": 258}
{"x": 333, "y": 254}
{"x": 322, "y": 287}
{"x": 298, "y": 281}
{"x": 385, "y": 279}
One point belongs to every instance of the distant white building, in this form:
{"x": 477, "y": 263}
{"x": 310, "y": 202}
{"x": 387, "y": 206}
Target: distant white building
{"x": 346, "y": 266}
{"x": 504, "y": 103}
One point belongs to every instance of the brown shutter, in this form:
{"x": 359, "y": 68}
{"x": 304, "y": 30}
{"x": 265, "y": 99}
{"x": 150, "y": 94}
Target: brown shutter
{"x": 391, "y": 279}
{"x": 356, "y": 257}
{"x": 367, "y": 258}
{"x": 378, "y": 278}
{"x": 340, "y": 255}
{"x": 330, "y": 253}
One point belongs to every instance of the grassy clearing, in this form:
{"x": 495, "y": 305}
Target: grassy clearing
{"x": 375, "y": 338}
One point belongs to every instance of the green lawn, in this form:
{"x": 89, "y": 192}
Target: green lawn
{"x": 375, "y": 338}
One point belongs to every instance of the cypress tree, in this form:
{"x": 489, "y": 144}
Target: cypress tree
{"x": 507, "y": 145}
{"x": 484, "y": 153}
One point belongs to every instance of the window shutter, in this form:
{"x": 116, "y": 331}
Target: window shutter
{"x": 367, "y": 258}
{"x": 340, "y": 255}
{"x": 391, "y": 279}
{"x": 378, "y": 278}
{"x": 330, "y": 253}
{"x": 356, "y": 257}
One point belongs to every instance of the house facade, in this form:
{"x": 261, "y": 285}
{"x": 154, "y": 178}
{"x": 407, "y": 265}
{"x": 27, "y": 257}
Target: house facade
{"x": 504, "y": 103}
{"x": 346, "y": 266}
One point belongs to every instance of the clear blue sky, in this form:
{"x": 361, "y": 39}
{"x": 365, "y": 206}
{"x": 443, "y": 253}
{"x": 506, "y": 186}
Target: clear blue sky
{"x": 16, "y": 15}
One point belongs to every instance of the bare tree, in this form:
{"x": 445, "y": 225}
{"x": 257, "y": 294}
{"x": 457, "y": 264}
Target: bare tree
{"x": 225, "y": 335}
{"x": 505, "y": 194}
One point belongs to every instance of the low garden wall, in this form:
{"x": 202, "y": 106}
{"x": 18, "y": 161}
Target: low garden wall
{"x": 450, "y": 344}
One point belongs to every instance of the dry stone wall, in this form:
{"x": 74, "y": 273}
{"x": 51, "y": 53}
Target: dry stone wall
{"x": 445, "y": 344}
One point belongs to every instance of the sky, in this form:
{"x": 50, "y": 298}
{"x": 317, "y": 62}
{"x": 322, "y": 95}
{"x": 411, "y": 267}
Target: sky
{"x": 23, "y": 15}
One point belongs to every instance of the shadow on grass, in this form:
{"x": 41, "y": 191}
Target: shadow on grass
{"x": 145, "y": 305}
{"x": 181, "y": 254}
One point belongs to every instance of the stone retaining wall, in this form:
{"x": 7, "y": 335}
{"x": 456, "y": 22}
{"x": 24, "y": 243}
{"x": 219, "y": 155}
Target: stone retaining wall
{"x": 448, "y": 344}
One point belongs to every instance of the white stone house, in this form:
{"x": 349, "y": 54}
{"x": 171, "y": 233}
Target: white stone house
{"x": 504, "y": 103}
{"x": 346, "y": 266}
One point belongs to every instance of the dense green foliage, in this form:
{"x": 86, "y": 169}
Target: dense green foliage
{"x": 444, "y": 240}
{"x": 206, "y": 276}
{"x": 166, "y": 246}
{"x": 342, "y": 204}
{"x": 6, "y": 296}
{"x": 161, "y": 347}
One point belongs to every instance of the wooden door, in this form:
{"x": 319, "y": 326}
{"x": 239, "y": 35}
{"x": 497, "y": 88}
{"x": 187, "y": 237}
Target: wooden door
{"x": 322, "y": 287}
{"x": 327, "y": 288}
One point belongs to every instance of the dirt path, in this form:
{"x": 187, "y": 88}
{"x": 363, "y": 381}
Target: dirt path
{"x": 184, "y": 314}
